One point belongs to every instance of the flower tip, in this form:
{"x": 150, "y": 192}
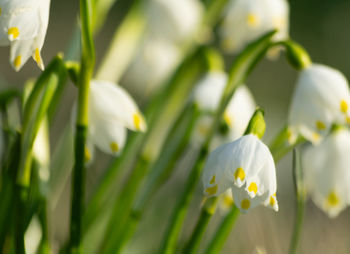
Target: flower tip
{"x": 139, "y": 122}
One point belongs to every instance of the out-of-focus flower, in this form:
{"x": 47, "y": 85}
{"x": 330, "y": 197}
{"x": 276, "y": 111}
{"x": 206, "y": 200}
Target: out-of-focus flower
{"x": 151, "y": 66}
{"x": 326, "y": 172}
{"x": 23, "y": 25}
{"x": 321, "y": 98}
{"x": 111, "y": 111}
{"x": 237, "y": 114}
{"x": 41, "y": 151}
{"x": 247, "y": 20}
{"x": 33, "y": 236}
{"x": 247, "y": 167}
{"x": 174, "y": 20}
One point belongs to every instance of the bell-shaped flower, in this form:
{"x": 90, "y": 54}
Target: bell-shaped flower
{"x": 246, "y": 167}
{"x": 175, "y": 20}
{"x": 23, "y": 25}
{"x": 247, "y": 20}
{"x": 153, "y": 63}
{"x": 321, "y": 98}
{"x": 111, "y": 111}
{"x": 326, "y": 172}
{"x": 240, "y": 109}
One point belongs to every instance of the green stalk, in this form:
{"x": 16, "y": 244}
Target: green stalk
{"x": 237, "y": 75}
{"x": 300, "y": 202}
{"x": 207, "y": 212}
{"x": 173, "y": 147}
{"x": 86, "y": 71}
{"x": 224, "y": 230}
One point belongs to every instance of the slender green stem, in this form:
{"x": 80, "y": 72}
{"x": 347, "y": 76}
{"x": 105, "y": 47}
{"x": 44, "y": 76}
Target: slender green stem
{"x": 173, "y": 147}
{"x": 223, "y": 231}
{"x": 86, "y": 71}
{"x": 203, "y": 220}
{"x": 300, "y": 202}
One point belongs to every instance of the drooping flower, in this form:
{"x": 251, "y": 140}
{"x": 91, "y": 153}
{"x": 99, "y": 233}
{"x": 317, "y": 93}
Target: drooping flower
{"x": 111, "y": 111}
{"x": 247, "y": 167}
{"x": 326, "y": 172}
{"x": 247, "y": 20}
{"x": 153, "y": 63}
{"x": 207, "y": 96}
{"x": 23, "y": 25}
{"x": 321, "y": 98}
{"x": 174, "y": 20}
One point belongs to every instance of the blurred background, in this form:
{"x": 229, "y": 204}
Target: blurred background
{"x": 321, "y": 26}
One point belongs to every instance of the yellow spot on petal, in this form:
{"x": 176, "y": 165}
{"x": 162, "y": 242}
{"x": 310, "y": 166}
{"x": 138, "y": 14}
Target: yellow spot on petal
{"x": 87, "y": 154}
{"x": 343, "y": 106}
{"x": 239, "y": 174}
{"x": 347, "y": 119}
{"x": 212, "y": 181}
{"x": 333, "y": 199}
{"x": 252, "y": 20}
{"x": 253, "y": 188}
{"x": 14, "y": 32}
{"x": 227, "y": 119}
{"x": 138, "y": 121}
{"x": 212, "y": 190}
{"x": 316, "y": 136}
{"x": 227, "y": 201}
{"x": 37, "y": 57}
{"x": 245, "y": 204}
{"x": 320, "y": 125}
{"x": 17, "y": 61}
{"x": 114, "y": 147}
{"x": 272, "y": 200}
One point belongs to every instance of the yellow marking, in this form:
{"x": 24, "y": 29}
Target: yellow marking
{"x": 252, "y": 20}
{"x": 227, "y": 119}
{"x": 316, "y": 136}
{"x": 320, "y": 125}
{"x": 343, "y": 106}
{"x": 245, "y": 204}
{"x": 239, "y": 174}
{"x": 333, "y": 199}
{"x": 17, "y": 61}
{"x": 272, "y": 200}
{"x": 87, "y": 154}
{"x": 347, "y": 119}
{"x": 14, "y": 32}
{"x": 138, "y": 121}
{"x": 212, "y": 180}
{"x": 253, "y": 188}
{"x": 212, "y": 190}
{"x": 227, "y": 201}
{"x": 114, "y": 147}
{"x": 37, "y": 57}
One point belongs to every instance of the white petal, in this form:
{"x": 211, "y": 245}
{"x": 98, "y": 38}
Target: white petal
{"x": 320, "y": 99}
{"x": 208, "y": 92}
{"x": 113, "y": 103}
{"x": 326, "y": 172}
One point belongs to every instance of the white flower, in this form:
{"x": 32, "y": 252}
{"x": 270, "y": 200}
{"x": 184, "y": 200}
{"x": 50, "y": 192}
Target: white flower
{"x": 327, "y": 174}
{"x": 247, "y": 167}
{"x": 111, "y": 111}
{"x": 175, "y": 20}
{"x": 321, "y": 98}
{"x": 152, "y": 64}
{"x": 247, "y": 20}
{"x": 23, "y": 25}
{"x": 240, "y": 109}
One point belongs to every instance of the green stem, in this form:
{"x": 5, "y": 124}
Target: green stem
{"x": 122, "y": 206}
{"x": 86, "y": 71}
{"x": 44, "y": 247}
{"x": 300, "y": 202}
{"x": 207, "y": 212}
{"x": 223, "y": 231}
{"x": 173, "y": 147}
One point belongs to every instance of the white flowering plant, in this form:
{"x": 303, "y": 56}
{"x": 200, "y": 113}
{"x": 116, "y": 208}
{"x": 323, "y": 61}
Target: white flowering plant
{"x": 163, "y": 97}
